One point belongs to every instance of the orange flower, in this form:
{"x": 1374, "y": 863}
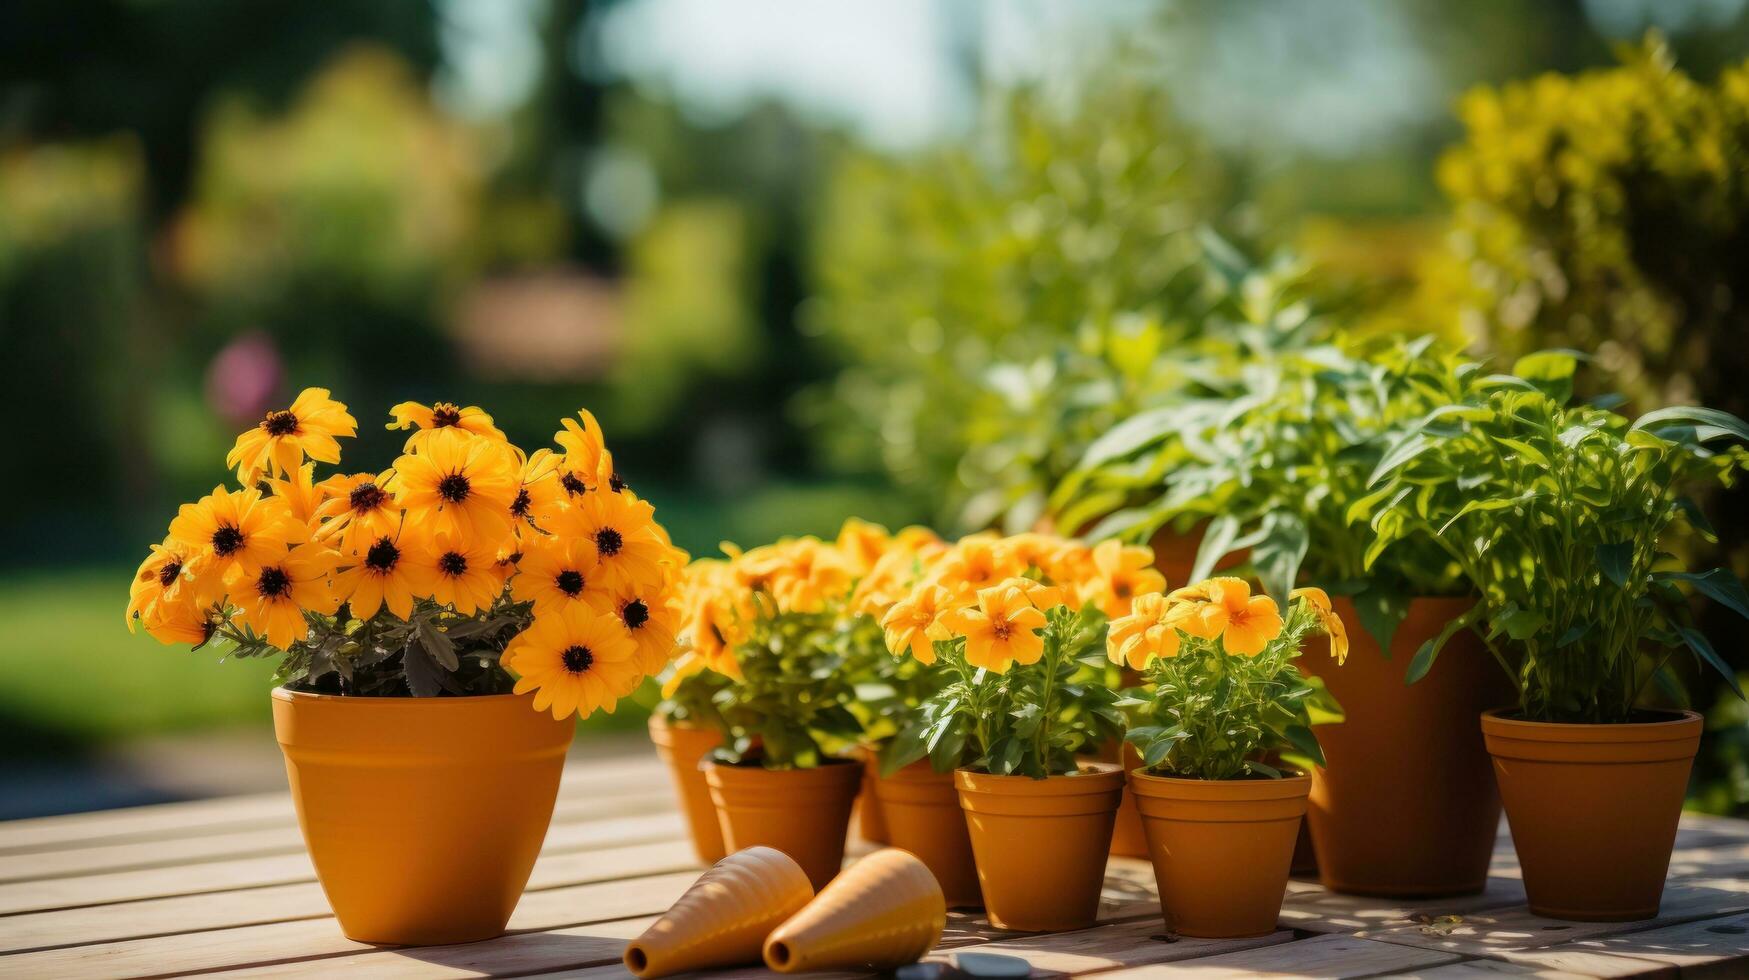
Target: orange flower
{"x": 976, "y": 562}
{"x": 649, "y": 622}
{"x": 1120, "y": 573}
{"x": 441, "y": 415}
{"x": 583, "y": 446}
{"x": 358, "y": 511}
{"x": 303, "y": 498}
{"x": 234, "y": 529}
{"x": 1245, "y": 623}
{"x": 460, "y": 485}
{"x": 281, "y": 440}
{"x": 1000, "y": 630}
{"x": 558, "y": 572}
{"x": 1043, "y": 597}
{"x": 1319, "y": 601}
{"x": 621, "y": 530}
{"x": 915, "y": 623}
{"x": 273, "y": 598}
{"x": 539, "y": 496}
{"x": 861, "y": 544}
{"x": 1150, "y": 631}
{"x": 574, "y": 660}
{"x": 456, "y": 573}
{"x": 161, "y": 590}
{"x": 382, "y": 576}
{"x": 714, "y": 609}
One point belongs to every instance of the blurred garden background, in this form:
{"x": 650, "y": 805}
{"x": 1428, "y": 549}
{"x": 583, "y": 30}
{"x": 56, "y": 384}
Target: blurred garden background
{"x": 897, "y": 258}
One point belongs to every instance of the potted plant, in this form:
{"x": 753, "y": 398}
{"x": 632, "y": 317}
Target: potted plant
{"x": 1017, "y": 625}
{"x": 1280, "y": 469}
{"x": 776, "y": 620}
{"x": 438, "y": 624}
{"x": 685, "y": 728}
{"x": 1224, "y": 696}
{"x": 1563, "y": 517}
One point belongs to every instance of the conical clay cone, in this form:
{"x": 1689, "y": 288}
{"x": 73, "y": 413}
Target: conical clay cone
{"x": 883, "y": 912}
{"x": 723, "y": 919}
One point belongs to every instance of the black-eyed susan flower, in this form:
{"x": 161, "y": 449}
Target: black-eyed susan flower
{"x": 556, "y": 572}
{"x": 161, "y": 582}
{"x": 183, "y": 622}
{"x": 575, "y": 660}
{"x": 582, "y": 446}
{"x": 621, "y": 530}
{"x": 460, "y": 485}
{"x": 272, "y": 599}
{"x": 650, "y": 621}
{"x": 284, "y": 437}
{"x": 359, "y": 510}
{"x": 234, "y": 529}
{"x": 456, "y": 572}
{"x": 303, "y": 497}
{"x": 538, "y": 495}
{"x": 426, "y": 419}
{"x": 381, "y": 576}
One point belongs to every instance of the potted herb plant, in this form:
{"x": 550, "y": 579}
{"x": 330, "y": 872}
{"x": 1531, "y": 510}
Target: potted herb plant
{"x": 1224, "y": 695}
{"x": 438, "y": 624}
{"x": 1015, "y": 623}
{"x": 1563, "y": 515}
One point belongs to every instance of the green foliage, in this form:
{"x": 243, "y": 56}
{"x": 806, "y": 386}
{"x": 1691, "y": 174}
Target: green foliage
{"x": 690, "y": 697}
{"x": 1034, "y": 719}
{"x": 791, "y": 707}
{"x": 1210, "y": 714}
{"x": 1558, "y": 514}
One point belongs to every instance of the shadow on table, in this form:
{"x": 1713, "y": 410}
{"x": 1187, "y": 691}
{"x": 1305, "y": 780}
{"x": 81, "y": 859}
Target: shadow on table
{"x": 526, "y": 952}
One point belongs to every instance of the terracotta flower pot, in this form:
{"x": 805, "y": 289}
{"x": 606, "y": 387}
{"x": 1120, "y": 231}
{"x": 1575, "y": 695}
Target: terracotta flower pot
{"x": 871, "y": 819}
{"x": 1593, "y": 809}
{"x": 423, "y": 816}
{"x": 725, "y": 917}
{"x": 682, "y": 748}
{"x": 1127, "y": 837}
{"x": 924, "y": 817}
{"x": 883, "y": 912}
{"x": 804, "y": 813}
{"x": 1175, "y": 554}
{"x": 1410, "y": 752}
{"x": 1041, "y": 844}
{"x": 1221, "y": 849}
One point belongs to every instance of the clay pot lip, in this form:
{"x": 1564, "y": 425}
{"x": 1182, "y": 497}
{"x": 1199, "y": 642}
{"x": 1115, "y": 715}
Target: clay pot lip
{"x": 1680, "y": 725}
{"x": 311, "y": 697}
{"x": 1288, "y": 787}
{"x": 831, "y": 772}
{"x": 1094, "y": 778}
{"x": 919, "y": 771}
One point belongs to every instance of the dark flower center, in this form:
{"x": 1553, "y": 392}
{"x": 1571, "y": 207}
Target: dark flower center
{"x": 577, "y": 659}
{"x": 383, "y": 555}
{"x": 635, "y": 614}
{"x": 169, "y": 572}
{"x": 521, "y": 504}
{"x": 226, "y": 540}
{"x": 1122, "y": 589}
{"x": 1002, "y": 630}
{"x": 367, "y": 497}
{"x": 453, "y": 488}
{"x": 572, "y": 484}
{"x": 570, "y": 582}
{"x": 453, "y": 563}
{"x": 615, "y": 484}
{"x": 280, "y": 423}
{"x": 444, "y": 414}
{"x": 274, "y": 582}
{"x": 608, "y": 542}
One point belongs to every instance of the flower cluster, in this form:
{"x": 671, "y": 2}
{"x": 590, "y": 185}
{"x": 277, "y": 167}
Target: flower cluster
{"x": 543, "y": 565}
{"x": 1218, "y": 610}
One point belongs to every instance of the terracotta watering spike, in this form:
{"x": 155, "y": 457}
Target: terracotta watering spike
{"x": 723, "y": 919}
{"x": 881, "y": 913}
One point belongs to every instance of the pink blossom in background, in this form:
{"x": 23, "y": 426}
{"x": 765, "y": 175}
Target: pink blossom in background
{"x": 244, "y": 378}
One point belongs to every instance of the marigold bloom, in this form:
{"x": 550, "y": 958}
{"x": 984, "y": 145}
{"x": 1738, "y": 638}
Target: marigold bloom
{"x": 1121, "y": 572}
{"x": 441, "y": 415}
{"x": 456, "y": 572}
{"x": 272, "y": 599}
{"x": 234, "y": 529}
{"x": 359, "y": 510}
{"x": 382, "y": 575}
{"x": 1246, "y": 623}
{"x": 1000, "y": 630}
{"x": 279, "y": 443}
{"x": 459, "y": 484}
{"x": 557, "y": 572}
{"x": 575, "y": 660}
{"x": 1319, "y": 601}
{"x": 914, "y": 623}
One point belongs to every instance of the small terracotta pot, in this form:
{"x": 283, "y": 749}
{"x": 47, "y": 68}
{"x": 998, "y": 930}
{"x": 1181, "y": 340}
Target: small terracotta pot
{"x": 682, "y": 748}
{"x": 883, "y": 912}
{"x": 1408, "y": 751}
{"x": 1222, "y": 849}
{"x": 724, "y": 918}
{"x": 871, "y": 819}
{"x": 1127, "y": 837}
{"x": 804, "y": 813}
{"x": 924, "y": 817}
{"x": 1041, "y": 844}
{"x": 1593, "y": 809}
{"x": 423, "y": 816}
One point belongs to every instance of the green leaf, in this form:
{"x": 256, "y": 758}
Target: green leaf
{"x": 1551, "y": 371}
{"x": 1278, "y": 555}
{"x": 1616, "y": 560}
{"x": 1132, "y": 434}
{"x": 1422, "y": 662}
{"x": 1381, "y": 611}
{"x": 1304, "y": 740}
{"x": 1719, "y": 585}
{"x": 1522, "y": 624}
{"x": 422, "y": 674}
{"x": 1709, "y": 423}
{"x": 1524, "y": 449}
{"x": 1703, "y": 649}
{"x": 1217, "y": 541}
{"x": 1399, "y": 456}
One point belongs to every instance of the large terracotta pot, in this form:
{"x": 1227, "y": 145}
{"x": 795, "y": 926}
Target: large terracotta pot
{"x": 1175, "y": 555}
{"x": 1041, "y": 844}
{"x": 682, "y": 748}
{"x": 1593, "y": 809}
{"x": 1221, "y": 849}
{"x": 923, "y": 814}
{"x": 871, "y": 821}
{"x": 804, "y": 813}
{"x": 423, "y": 816}
{"x": 1406, "y": 804}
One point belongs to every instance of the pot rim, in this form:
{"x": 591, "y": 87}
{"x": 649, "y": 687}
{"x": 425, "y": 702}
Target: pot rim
{"x": 1679, "y": 725}
{"x": 1287, "y": 787}
{"x": 1099, "y": 780}
{"x": 282, "y": 693}
{"x": 833, "y": 770}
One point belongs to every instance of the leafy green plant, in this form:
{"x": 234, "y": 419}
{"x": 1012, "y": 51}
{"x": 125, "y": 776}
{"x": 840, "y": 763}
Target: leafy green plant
{"x": 689, "y": 693}
{"x": 789, "y": 708}
{"x": 1557, "y": 513}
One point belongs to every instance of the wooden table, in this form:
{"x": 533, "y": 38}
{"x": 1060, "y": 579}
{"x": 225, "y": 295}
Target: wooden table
{"x": 224, "y": 887}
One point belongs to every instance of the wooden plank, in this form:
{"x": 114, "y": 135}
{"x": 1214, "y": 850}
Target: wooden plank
{"x": 1115, "y": 946}
{"x": 1704, "y": 947}
{"x": 1313, "y": 909}
{"x": 1322, "y": 956}
{"x": 516, "y": 955}
{"x": 1485, "y": 969}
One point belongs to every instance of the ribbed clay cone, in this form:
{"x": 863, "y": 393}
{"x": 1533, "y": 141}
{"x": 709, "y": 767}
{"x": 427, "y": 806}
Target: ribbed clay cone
{"x": 723, "y": 919}
{"x": 881, "y": 913}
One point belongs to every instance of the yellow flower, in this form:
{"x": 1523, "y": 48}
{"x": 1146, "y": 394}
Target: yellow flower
{"x": 234, "y": 529}
{"x": 801, "y": 574}
{"x": 183, "y": 622}
{"x": 538, "y": 495}
{"x": 1319, "y": 600}
{"x": 557, "y": 572}
{"x": 272, "y": 599}
{"x": 1043, "y": 597}
{"x": 861, "y": 544}
{"x": 359, "y": 511}
{"x": 456, "y": 573}
{"x": 649, "y": 622}
{"x": 382, "y": 576}
{"x": 1121, "y": 572}
{"x": 302, "y": 497}
{"x": 282, "y": 439}
{"x": 1150, "y": 630}
{"x": 1245, "y": 623}
{"x": 621, "y": 530}
{"x": 161, "y": 586}
{"x": 459, "y": 484}
{"x": 715, "y": 608}
{"x": 1000, "y": 629}
{"x": 441, "y": 415}
{"x": 915, "y": 624}
{"x": 575, "y": 660}
{"x": 976, "y": 562}
{"x": 583, "y": 447}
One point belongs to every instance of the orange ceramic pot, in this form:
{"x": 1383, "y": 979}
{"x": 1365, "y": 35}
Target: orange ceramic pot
{"x": 871, "y": 820}
{"x": 1593, "y": 809}
{"x": 804, "y": 813}
{"x": 923, "y": 817}
{"x": 1041, "y": 844}
{"x": 1409, "y": 751}
{"x": 1221, "y": 848}
{"x": 423, "y": 816}
{"x": 1127, "y": 837}
{"x": 682, "y": 748}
